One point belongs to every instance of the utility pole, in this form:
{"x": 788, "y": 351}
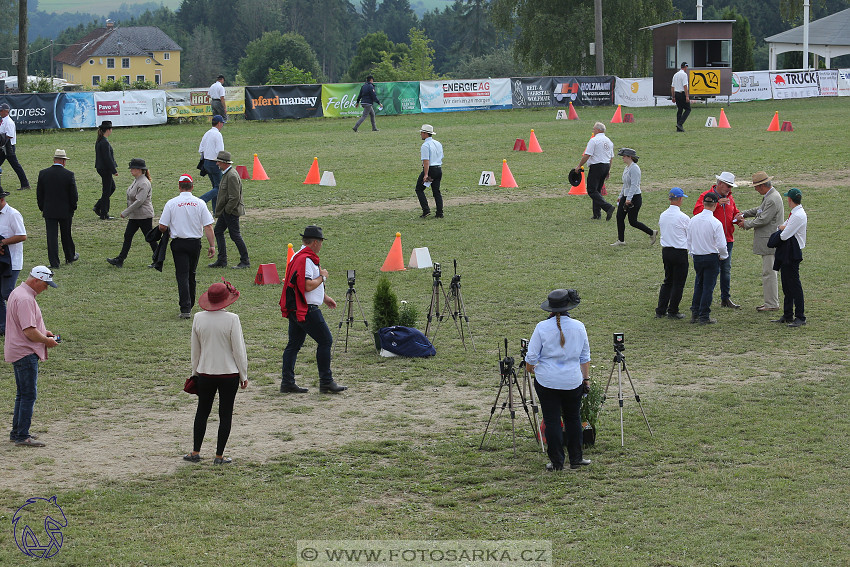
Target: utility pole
{"x": 600, "y": 60}
{"x": 51, "y": 59}
{"x": 23, "y": 25}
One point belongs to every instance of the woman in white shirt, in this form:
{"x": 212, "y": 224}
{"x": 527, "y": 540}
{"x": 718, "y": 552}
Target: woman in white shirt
{"x": 220, "y": 362}
{"x": 630, "y": 200}
{"x": 559, "y": 357}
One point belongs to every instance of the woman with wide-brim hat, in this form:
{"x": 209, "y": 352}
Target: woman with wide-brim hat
{"x": 220, "y": 362}
{"x": 104, "y": 163}
{"x": 139, "y": 211}
{"x": 559, "y": 357}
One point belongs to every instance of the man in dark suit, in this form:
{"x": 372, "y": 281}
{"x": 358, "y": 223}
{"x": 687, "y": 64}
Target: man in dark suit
{"x": 56, "y": 194}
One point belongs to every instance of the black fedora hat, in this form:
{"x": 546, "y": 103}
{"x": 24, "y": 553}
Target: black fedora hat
{"x": 137, "y": 163}
{"x": 575, "y": 178}
{"x": 561, "y": 301}
{"x": 313, "y": 231}
{"x": 105, "y": 125}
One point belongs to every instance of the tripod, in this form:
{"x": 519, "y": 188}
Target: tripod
{"x": 620, "y": 366}
{"x": 459, "y": 313}
{"x": 508, "y": 378}
{"x": 347, "y": 315}
{"x": 527, "y": 387}
{"x": 434, "y": 309}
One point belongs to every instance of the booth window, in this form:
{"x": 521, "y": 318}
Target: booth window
{"x": 671, "y": 56}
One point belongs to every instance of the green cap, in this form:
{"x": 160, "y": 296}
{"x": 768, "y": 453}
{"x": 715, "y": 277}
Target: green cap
{"x": 795, "y": 194}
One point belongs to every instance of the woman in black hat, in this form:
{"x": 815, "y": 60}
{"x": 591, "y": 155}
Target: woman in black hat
{"x": 559, "y": 357}
{"x": 139, "y": 211}
{"x": 104, "y": 163}
{"x": 630, "y": 200}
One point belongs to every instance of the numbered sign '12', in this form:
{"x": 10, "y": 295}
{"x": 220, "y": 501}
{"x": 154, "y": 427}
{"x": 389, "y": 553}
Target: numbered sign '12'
{"x": 487, "y": 178}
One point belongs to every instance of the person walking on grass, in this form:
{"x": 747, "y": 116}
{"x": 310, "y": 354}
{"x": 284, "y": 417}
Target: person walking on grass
{"x": 630, "y": 200}
{"x": 139, "y": 211}
{"x": 107, "y": 169}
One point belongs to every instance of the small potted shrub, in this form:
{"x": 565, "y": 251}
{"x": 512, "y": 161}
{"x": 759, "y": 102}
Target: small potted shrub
{"x": 384, "y": 308}
{"x": 591, "y": 404}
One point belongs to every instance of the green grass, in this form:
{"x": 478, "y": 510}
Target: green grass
{"x": 747, "y": 465}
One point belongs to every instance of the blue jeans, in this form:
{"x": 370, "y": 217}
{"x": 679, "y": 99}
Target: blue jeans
{"x": 315, "y": 326}
{"x": 706, "y": 266}
{"x": 26, "y": 380}
{"x": 726, "y": 273}
{"x": 7, "y": 284}
{"x": 215, "y": 174}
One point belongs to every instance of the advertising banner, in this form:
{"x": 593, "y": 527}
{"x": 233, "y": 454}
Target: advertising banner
{"x": 794, "y": 84}
{"x": 844, "y": 82}
{"x": 196, "y": 102}
{"x": 125, "y": 108}
{"x": 828, "y": 83}
{"x": 531, "y": 92}
{"x": 397, "y": 98}
{"x": 634, "y": 92}
{"x": 283, "y": 101}
{"x": 471, "y": 94}
{"x": 703, "y": 82}
{"x": 33, "y": 111}
{"x": 583, "y": 91}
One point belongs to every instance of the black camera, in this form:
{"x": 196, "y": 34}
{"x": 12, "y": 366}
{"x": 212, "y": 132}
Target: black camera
{"x": 350, "y": 278}
{"x": 438, "y": 271}
{"x": 619, "y": 342}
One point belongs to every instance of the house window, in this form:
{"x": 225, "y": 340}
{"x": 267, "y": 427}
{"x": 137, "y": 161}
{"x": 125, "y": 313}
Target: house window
{"x": 110, "y": 77}
{"x": 110, "y": 62}
{"x": 157, "y": 78}
{"x": 95, "y": 80}
{"x": 125, "y": 62}
{"x": 126, "y": 79}
{"x": 166, "y": 56}
{"x": 140, "y": 78}
{"x": 91, "y": 61}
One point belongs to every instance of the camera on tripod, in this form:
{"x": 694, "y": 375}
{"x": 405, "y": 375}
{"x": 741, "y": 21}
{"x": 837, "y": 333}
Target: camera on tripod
{"x": 619, "y": 342}
{"x": 351, "y": 278}
{"x": 438, "y": 271}
{"x": 456, "y": 278}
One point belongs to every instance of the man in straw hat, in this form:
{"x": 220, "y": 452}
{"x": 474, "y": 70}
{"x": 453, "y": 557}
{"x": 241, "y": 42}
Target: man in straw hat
{"x": 765, "y": 218}
{"x": 431, "y": 154}
{"x": 303, "y": 293}
{"x": 56, "y": 194}
{"x": 229, "y": 207}
{"x": 26, "y": 342}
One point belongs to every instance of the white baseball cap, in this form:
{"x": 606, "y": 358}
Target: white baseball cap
{"x": 44, "y": 274}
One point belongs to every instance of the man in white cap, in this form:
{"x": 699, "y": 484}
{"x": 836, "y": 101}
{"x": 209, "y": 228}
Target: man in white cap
{"x": 56, "y": 194}
{"x": 12, "y": 235}
{"x": 27, "y": 341}
{"x": 432, "y": 171}
{"x": 726, "y": 211}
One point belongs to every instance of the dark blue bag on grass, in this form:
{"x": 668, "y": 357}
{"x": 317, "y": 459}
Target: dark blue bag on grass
{"x": 406, "y": 341}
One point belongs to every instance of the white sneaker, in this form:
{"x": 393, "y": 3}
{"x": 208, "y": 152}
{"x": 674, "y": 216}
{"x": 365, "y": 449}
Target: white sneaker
{"x": 619, "y": 243}
{"x": 653, "y": 237}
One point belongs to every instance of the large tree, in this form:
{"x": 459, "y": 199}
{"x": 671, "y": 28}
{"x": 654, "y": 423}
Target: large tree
{"x": 396, "y": 18}
{"x": 742, "y": 41}
{"x": 201, "y": 59}
{"x": 370, "y": 51}
{"x": 271, "y": 51}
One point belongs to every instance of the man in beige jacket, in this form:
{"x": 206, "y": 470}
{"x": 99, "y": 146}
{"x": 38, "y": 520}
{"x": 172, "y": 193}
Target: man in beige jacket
{"x": 228, "y": 208}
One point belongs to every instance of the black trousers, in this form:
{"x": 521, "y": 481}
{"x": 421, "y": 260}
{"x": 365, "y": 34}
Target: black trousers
{"x": 107, "y": 188}
{"x": 230, "y": 223}
{"x": 436, "y": 174}
{"x": 792, "y": 289}
{"x": 683, "y": 108}
{"x": 554, "y": 404}
{"x": 186, "y": 252}
{"x": 596, "y": 175}
{"x": 52, "y": 228}
{"x": 13, "y": 161}
{"x": 134, "y": 225}
{"x": 632, "y": 213}
{"x": 675, "y": 275}
{"x": 226, "y": 385}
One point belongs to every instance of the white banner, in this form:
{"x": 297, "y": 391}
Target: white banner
{"x": 638, "y": 92}
{"x": 130, "y": 108}
{"x": 794, "y": 84}
{"x": 471, "y": 94}
{"x": 844, "y": 82}
{"x": 828, "y": 83}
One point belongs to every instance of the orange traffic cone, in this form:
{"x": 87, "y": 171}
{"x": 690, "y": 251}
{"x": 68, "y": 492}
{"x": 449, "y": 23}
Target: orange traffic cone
{"x": 259, "y": 174}
{"x": 289, "y": 252}
{"x": 723, "y": 122}
{"x": 533, "y": 145}
{"x": 507, "y": 177}
{"x": 618, "y": 115}
{"x": 395, "y": 259}
{"x": 774, "y": 124}
{"x": 581, "y": 188}
{"x": 573, "y": 114}
{"x": 313, "y": 177}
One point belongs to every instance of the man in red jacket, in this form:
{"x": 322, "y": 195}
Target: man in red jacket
{"x": 725, "y": 212}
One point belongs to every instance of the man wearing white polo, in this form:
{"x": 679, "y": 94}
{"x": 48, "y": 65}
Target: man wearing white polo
{"x": 680, "y": 92}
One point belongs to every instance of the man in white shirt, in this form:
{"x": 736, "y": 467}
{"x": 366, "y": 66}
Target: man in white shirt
{"x": 707, "y": 244}
{"x": 216, "y": 94}
{"x": 431, "y": 154}
{"x": 598, "y": 155}
{"x": 187, "y": 219}
{"x": 7, "y": 128}
{"x": 211, "y": 144}
{"x": 12, "y": 236}
{"x": 673, "y": 226}
{"x": 680, "y": 93}
{"x": 795, "y": 227}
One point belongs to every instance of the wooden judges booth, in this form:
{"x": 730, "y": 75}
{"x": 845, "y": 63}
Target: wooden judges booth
{"x": 705, "y": 45}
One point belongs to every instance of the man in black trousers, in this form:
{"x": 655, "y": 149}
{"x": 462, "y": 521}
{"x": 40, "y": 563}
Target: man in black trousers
{"x": 56, "y": 194}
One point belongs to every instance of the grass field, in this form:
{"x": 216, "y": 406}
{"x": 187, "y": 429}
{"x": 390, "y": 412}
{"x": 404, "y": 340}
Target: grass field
{"x": 748, "y": 462}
